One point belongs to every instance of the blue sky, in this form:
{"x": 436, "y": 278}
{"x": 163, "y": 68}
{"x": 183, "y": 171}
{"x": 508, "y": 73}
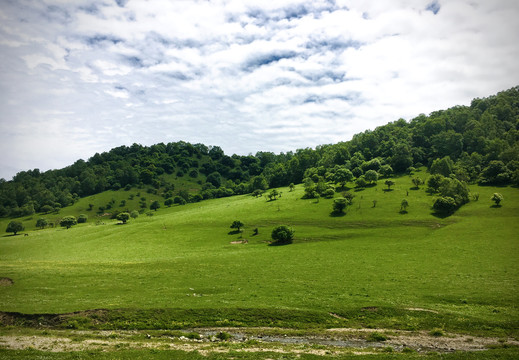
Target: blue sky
{"x": 80, "y": 77}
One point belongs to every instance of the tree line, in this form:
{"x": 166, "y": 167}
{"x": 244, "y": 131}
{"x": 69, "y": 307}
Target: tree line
{"x": 469, "y": 144}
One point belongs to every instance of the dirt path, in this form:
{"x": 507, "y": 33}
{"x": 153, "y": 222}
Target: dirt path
{"x": 332, "y": 341}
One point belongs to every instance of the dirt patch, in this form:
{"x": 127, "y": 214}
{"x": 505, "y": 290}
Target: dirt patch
{"x": 332, "y": 341}
{"x": 421, "y": 309}
{"x": 5, "y": 281}
{"x": 240, "y": 242}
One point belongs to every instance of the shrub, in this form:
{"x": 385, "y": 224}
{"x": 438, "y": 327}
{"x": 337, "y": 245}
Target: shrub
{"x": 444, "y": 205}
{"x": 282, "y": 235}
{"x": 497, "y": 198}
{"x": 82, "y": 219}
{"x": 41, "y": 223}
{"x": 134, "y": 214}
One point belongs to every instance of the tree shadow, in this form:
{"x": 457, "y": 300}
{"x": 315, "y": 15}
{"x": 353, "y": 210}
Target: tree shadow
{"x": 403, "y": 212}
{"x": 337, "y": 214}
{"x": 496, "y": 206}
{"x": 359, "y": 189}
{"x": 414, "y": 188}
{"x": 442, "y": 215}
{"x": 387, "y": 190}
{"x": 234, "y": 232}
{"x": 278, "y": 243}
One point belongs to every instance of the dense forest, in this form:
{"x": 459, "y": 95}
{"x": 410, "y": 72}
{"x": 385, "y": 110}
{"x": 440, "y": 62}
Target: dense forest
{"x": 460, "y": 145}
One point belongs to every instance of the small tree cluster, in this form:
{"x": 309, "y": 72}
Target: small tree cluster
{"x": 282, "y": 235}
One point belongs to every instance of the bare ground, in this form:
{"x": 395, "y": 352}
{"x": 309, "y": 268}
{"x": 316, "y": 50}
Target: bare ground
{"x": 332, "y": 341}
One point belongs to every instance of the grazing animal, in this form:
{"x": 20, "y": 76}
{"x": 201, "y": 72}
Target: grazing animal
{"x": 25, "y": 234}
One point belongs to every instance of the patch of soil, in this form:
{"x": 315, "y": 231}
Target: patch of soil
{"x": 5, "y": 281}
{"x": 240, "y": 242}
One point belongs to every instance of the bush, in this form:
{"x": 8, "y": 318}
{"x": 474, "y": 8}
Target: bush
{"x": 282, "y": 235}
{"x": 82, "y": 219}
{"x": 444, "y": 205}
{"x": 134, "y": 214}
{"x": 339, "y": 205}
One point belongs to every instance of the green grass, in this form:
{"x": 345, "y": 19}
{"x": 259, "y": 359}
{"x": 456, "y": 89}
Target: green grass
{"x": 373, "y": 267}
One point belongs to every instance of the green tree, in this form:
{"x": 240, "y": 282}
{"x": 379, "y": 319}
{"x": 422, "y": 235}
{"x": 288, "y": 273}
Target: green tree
{"x": 371, "y": 176}
{"x": 497, "y": 198}
{"x": 291, "y": 187}
{"x": 46, "y": 209}
{"x": 403, "y": 205}
{"x": 41, "y": 223}
{"x": 389, "y": 183}
{"x": 342, "y": 176}
{"x": 82, "y": 219}
{"x": 282, "y": 235}
{"x": 68, "y": 221}
{"x": 443, "y": 166}
{"x": 124, "y": 217}
{"x": 348, "y": 195}
{"x": 168, "y": 202}
{"x": 237, "y": 224}
{"x": 361, "y": 182}
{"x": 339, "y": 205}
{"x": 444, "y": 205}
{"x": 134, "y": 214}
{"x": 417, "y": 182}
{"x": 14, "y": 227}
{"x": 155, "y": 205}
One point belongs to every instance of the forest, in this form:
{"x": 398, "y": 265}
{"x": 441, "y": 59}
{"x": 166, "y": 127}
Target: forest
{"x": 461, "y": 145}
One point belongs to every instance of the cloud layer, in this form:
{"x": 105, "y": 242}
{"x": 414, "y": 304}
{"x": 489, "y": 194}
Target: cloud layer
{"x": 85, "y": 76}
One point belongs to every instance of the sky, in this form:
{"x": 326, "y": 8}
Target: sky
{"x": 80, "y": 77}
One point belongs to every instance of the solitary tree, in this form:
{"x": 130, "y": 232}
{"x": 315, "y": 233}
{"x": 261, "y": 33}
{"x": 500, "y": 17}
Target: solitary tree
{"x": 237, "y": 224}
{"x": 41, "y": 223}
{"x": 389, "y": 183}
{"x": 282, "y": 235}
{"x": 155, "y": 205}
{"x": 134, "y": 214}
{"x": 82, "y": 219}
{"x": 14, "y": 226}
{"x": 291, "y": 186}
{"x": 168, "y": 202}
{"x": 403, "y": 205}
{"x": 124, "y": 217}
{"x": 68, "y": 221}
{"x": 497, "y": 198}
{"x": 417, "y": 182}
{"x": 349, "y": 197}
{"x": 339, "y": 205}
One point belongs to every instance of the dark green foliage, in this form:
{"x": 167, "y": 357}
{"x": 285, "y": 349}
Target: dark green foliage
{"x": 168, "y": 202}
{"x": 403, "y": 206}
{"x": 389, "y": 183}
{"x": 123, "y": 217}
{"x": 237, "y": 224}
{"x": 339, "y": 205}
{"x": 14, "y": 227}
{"x": 442, "y": 166}
{"x": 82, "y": 219}
{"x": 444, "y": 205}
{"x": 371, "y": 176}
{"x": 42, "y": 223}
{"x": 179, "y": 200}
{"x": 68, "y": 221}
{"x": 134, "y": 214}
{"x": 155, "y": 205}
{"x": 282, "y": 235}
{"x": 46, "y": 209}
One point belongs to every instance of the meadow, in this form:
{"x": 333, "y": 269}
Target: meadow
{"x": 183, "y": 267}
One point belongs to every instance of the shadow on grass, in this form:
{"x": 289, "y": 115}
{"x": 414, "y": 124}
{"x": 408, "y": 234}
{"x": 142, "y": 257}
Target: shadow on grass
{"x": 414, "y": 188}
{"x": 387, "y": 190}
{"x": 337, "y": 214}
{"x": 234, "y": 232}
{"x": 495, "y": 206}
{"x": 279, "y": 243}
{"x": 442, "y": 215}
{"x": 403, "y": 212}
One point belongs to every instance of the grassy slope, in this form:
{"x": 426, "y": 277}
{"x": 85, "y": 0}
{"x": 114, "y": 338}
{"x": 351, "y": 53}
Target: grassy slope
{"x": 464, "y": 267}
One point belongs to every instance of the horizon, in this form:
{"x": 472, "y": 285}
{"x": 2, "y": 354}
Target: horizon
{"x": 83, "y": 78}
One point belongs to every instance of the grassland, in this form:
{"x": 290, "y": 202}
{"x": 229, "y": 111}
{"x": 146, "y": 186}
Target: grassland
{"x": 373, "y": 267}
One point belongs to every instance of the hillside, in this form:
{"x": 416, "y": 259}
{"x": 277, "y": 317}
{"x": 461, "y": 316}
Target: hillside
{"x": 480, "y": 142}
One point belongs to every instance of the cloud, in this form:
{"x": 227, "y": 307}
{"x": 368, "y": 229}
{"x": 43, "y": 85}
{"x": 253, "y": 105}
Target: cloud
{"x": 86, "y": 76}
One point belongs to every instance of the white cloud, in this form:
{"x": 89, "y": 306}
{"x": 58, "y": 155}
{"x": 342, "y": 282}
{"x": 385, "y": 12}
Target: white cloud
{"x": 276, "y": 75}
